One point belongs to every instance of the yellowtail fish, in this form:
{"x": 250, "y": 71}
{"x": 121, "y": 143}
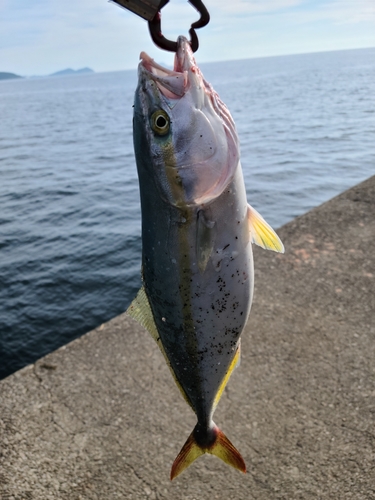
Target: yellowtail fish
{"x": 197, "y": 230}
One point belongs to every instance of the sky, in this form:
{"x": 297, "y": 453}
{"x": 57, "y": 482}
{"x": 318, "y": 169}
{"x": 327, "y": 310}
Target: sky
{"x": 39, "y": 37}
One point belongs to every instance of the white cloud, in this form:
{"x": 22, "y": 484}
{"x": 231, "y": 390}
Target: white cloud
{"x": 347, "y": 11}
{"x": 43, "y": 36}
{"x": 253, "y": 6}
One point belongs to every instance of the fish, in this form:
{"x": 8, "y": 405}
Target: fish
{"x": 197, "y": 235}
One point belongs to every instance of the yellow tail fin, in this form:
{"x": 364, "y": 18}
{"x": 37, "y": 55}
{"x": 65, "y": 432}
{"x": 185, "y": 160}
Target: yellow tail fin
{"x": 212, "y": 441}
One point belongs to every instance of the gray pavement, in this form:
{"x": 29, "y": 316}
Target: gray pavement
{"x": 101, "y": 418}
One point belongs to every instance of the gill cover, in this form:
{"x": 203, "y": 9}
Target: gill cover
{"x": 196, "y": 157}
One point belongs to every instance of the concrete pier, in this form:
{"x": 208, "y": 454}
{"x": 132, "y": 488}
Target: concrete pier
{"x": 101, "y": 418}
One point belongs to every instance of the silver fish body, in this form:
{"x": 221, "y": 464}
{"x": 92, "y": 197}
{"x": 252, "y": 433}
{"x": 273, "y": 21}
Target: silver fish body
{"x": 197, "y": 263}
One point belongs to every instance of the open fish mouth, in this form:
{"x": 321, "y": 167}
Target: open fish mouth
{"x": 173, "y": 84}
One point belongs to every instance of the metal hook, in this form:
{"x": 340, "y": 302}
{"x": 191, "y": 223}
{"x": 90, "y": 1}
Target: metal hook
{"x": 163, "y": 43}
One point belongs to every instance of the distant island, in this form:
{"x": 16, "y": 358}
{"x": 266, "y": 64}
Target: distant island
{"x": 63, "y": 72}
{"x": 8, "y": 76}
{"x": 69, "y": 71}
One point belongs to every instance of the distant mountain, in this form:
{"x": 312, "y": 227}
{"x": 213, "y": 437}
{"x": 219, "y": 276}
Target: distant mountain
{"x": 70, "y": 71}
{"x": 8, "y": 76}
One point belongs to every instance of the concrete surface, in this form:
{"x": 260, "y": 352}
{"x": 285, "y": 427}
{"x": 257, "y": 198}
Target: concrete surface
{"x": 102, "y": 419}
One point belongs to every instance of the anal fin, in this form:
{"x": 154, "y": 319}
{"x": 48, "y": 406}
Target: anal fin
{"x": 235, "y": 362}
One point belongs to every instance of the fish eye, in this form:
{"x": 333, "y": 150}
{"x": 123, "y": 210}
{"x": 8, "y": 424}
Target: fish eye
{"x": 160, "y": 122}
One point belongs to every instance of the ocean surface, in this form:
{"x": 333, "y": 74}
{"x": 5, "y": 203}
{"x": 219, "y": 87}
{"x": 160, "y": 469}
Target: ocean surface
{"x": 70, "y": 247}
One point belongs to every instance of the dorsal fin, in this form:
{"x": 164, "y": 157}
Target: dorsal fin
{"x": 140, "y": 310}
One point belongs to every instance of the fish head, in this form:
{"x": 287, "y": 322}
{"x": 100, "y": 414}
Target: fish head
{"x": 184, "y": 130}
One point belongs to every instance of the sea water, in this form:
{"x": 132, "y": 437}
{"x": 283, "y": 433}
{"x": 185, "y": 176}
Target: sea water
{"x": 70, "y": 247}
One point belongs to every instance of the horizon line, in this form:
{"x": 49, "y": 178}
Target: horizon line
{"x": 201, "y": 62}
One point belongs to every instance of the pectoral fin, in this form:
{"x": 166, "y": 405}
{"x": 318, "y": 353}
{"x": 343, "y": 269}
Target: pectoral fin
{"x": 261, "y": 232}
{"x": 140, "y": 310}
{"x": 204, "y": 240}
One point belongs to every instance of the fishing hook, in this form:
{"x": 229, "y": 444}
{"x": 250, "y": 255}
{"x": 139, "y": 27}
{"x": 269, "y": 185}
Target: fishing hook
{"x": 163, "y": 43}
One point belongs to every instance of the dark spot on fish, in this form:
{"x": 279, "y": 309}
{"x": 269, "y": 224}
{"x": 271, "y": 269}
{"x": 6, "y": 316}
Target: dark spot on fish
{"x": 226, "y": 246}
